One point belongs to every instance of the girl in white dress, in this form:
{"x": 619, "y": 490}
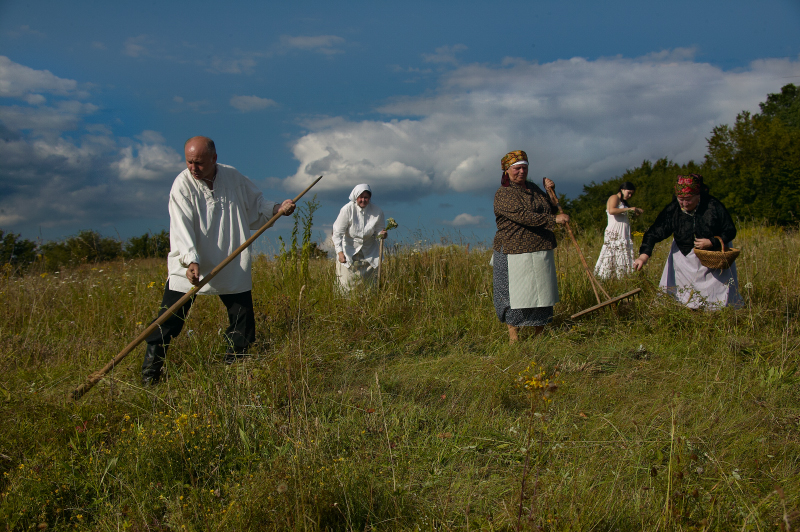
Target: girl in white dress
{"x": 355, "y": 238}
{"x": 616, "y": 256}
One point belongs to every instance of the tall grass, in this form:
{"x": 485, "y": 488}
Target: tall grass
{"x": 402, "y": 409}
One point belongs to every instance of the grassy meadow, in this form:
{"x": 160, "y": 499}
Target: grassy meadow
{"x": 406, "y": 409}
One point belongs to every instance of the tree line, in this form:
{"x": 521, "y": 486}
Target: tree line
{"x": 18, "y": 254}
{"x": 752, "y": 167}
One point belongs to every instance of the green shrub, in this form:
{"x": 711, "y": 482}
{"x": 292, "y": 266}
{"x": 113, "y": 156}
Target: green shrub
{"x": 148, "y": 245}
{"x": 87, "y": 247}
{"x": 16, "y": 253}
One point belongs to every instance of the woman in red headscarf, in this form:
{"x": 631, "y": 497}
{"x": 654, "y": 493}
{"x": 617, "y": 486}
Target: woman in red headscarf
{"x": 694, "y": 219}
{"x": 525, "y": 285}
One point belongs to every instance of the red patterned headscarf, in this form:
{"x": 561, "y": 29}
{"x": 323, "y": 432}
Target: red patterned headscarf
{"x": 510, "y": 159}
{"x": 689, "y": 185}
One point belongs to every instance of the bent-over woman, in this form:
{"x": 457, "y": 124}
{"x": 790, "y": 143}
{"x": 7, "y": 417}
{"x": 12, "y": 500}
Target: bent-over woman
{"x": 355, "y": 238}
{"x": 525, "y": 282}
{"x": 694, "y": 218}
{"x": 616, "y": 255}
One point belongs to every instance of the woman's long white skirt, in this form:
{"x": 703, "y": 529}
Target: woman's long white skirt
{"x": 696, "y": 286}
{"x": 359, "y": 271}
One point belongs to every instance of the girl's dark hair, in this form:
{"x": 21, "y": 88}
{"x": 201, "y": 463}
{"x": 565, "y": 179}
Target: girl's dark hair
{"x": 627, "y": 185}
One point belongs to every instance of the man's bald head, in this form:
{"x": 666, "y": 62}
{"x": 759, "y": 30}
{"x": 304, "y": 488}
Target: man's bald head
{"x": 199, "y": 141}
{"x": 201, "y": 158}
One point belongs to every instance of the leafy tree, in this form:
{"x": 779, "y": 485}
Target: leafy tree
{"x": 87, "y": 246}
{"x": 16, "y": 253}
{"x": 784, "y": 106}
{"x": 148, "y": 246}
{"x": 757, "y": 160}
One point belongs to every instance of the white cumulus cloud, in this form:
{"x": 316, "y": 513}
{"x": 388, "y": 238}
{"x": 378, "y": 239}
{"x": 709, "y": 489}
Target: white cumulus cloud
{"x": 148, "y": 160}
{"x": 579, "y": 120}
{"x": 63, "y": 116}
{"x": 247, "y": 104}
{"x": 58, "y": 182}
{"x": 17, "y": 81}
{"x": 465, "y": 219}
{"x": 58, "y": 170}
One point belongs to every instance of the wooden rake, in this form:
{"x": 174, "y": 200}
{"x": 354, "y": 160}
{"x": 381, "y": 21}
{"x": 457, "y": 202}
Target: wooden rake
{"x": 592, "y": 280}
{"x": 380, "y": 262}
{"x": 95, "y": 377}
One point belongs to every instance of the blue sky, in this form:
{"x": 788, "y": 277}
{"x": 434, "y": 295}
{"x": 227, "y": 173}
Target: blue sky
{"x": 419, "y": 99}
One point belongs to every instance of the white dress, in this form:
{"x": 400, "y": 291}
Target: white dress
{"x": 355, "y": 233}
{"x": 616, "y": 256}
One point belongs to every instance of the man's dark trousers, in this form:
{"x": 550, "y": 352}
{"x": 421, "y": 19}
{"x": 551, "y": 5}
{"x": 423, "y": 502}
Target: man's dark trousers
{"x": 242, "y": 321}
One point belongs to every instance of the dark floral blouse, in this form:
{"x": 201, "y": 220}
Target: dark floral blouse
{"x": 709, "y": 219}
{"x": 525, "y": 220}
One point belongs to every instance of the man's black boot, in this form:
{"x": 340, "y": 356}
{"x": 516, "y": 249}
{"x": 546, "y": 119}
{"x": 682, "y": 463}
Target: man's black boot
{"x": 235, "y": 354}
{"x": 153, "y": 362}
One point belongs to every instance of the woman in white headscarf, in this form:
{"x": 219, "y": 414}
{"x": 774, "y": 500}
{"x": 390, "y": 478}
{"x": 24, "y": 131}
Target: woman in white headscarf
{"x": 355, "y": 238}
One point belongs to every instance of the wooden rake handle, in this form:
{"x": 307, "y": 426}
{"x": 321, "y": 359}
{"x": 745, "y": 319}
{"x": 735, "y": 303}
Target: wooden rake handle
{"x": 380, "y": 262}
{"x": 95, "y": 377}
{"x": 551, "y": 191}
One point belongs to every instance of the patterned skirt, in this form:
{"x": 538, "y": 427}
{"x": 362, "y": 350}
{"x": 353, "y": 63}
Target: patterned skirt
{"x": 518, "y": 317}
{"x": 616, "y": 258}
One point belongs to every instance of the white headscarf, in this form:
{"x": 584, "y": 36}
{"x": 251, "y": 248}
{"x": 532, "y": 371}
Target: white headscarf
{"x": 359, "y": 190}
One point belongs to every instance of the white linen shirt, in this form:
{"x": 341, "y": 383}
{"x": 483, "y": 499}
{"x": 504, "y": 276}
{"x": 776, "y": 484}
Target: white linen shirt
{"x": 356, "y": 229}
{"x": 206, "y": 226}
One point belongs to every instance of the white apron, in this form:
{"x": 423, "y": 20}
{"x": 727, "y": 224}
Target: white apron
{"x": 694, "y": 285}
{"x": 532, "y": 279}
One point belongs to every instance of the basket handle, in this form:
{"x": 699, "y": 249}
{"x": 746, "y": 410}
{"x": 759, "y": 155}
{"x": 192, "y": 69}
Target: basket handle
{"x": 721, "y": 243}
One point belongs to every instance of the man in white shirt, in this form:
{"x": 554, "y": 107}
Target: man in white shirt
{"x": 212, "y": 208}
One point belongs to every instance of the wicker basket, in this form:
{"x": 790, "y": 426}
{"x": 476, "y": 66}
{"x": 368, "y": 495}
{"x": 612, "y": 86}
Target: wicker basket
{"x": 717, "y": 260}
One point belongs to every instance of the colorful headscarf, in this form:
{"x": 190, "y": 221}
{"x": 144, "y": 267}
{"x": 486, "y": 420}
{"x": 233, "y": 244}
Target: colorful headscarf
{"x": 511, "y": 158}
{"x": 358, "y": 190}
{"x": 689, "y": 185}
{"x": 514, "y": 157}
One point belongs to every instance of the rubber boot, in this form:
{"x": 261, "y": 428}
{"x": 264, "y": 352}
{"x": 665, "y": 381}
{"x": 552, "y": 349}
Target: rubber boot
{"x": 235, "y": 354}
{"x": 513, "y": 334}
{"x": 152, "y": 364}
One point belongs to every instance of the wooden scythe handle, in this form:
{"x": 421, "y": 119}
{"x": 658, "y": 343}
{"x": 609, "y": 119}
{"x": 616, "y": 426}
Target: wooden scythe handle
{"x": 95, "y": 377}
